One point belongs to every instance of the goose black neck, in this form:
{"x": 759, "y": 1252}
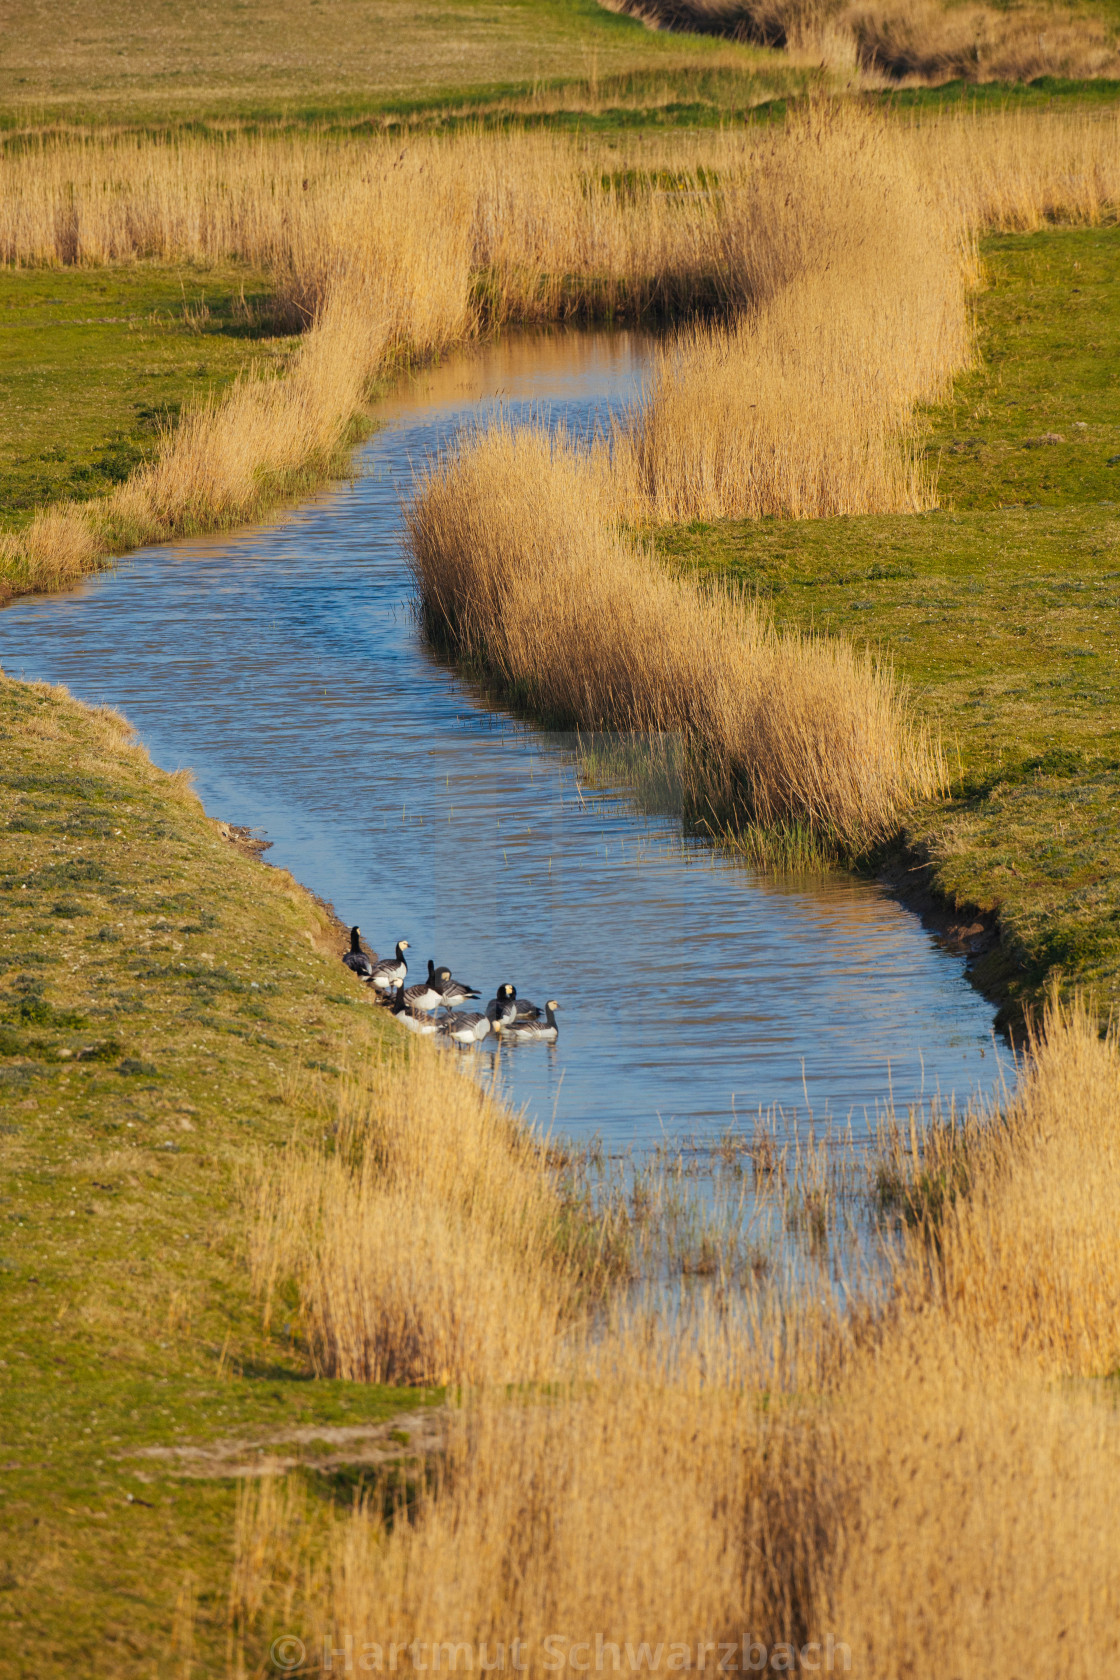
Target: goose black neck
{"x": 355, "y": 947}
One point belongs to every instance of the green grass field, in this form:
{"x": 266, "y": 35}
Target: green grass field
{"x": 166, "y": 1006}
{"x": 325, "y": 60}
{"x": 1001, "y": 611}
{"x": 95, "y": 362}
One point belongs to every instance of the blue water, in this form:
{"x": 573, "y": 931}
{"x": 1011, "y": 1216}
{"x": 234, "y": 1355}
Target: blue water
{"x": 285, "y": 667}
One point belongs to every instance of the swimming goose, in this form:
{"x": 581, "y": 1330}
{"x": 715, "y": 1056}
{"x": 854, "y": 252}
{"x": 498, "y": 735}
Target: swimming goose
{"x": 464, "y": 1028}
{"x": 390, "y": 971}
{"x": 426, "y": 994}
{"x": 356, "y": 958}
{"x": 451, "y": 992}
{"x": 526, "y": 1011}
{"x": 501, "y": 1011}
{"x": 533, "y": 1032}
{"x": 402, "y": 1013}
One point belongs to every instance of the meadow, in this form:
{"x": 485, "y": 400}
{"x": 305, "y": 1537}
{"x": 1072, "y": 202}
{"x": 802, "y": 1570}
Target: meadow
{"x": 157, "y": 338}
{"x": 331, "y": 62}
{"x": 305, "y": 1337}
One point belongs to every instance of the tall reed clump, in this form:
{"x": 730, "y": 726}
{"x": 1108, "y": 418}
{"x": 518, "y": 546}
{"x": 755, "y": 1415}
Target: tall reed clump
{"x": 226, "y": 462}
{"x": 1027, "y": 1258}
{"x": 523, "y": 569}
{"x": 1005, "y": 173}
{"x": 429, "y": 1244}
{"x": 927, "y": 41}
{"x": 986, "y": 1459}
{"x": 856, "y": 278}
{"x": 905, "y": 1484}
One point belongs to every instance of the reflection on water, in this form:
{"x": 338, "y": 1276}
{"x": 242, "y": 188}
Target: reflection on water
{"x": 284, "y": 666}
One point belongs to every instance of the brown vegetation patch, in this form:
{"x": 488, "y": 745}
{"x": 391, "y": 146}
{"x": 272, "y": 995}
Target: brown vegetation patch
{"x": 912, "y": 42}
{"x": 407, "y": 1435}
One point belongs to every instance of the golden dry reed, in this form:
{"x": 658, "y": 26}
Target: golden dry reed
{"x": 926, "y": 1479}
{"x": 523, "y": 567}
{"x": 429, "y": 1244}
{"x": 916, "y": 42}
{"x": 857, "y": 275}
{"x": 394, "y": 251}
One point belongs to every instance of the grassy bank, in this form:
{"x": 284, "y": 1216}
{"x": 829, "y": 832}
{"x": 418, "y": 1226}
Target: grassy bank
{"x": 167, "y": 1005}
{"x": 96, "y": 363}
{"x": 262, "y": 61}
{"x": 999, "y": 609}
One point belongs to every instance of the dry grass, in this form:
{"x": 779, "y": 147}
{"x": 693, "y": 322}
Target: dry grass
{"x": 522, "y": 568}
{"x": 428, "y": 1243}
{"x": 395, "y": 252}
{"x": 908, "y": 1479}
{"x": 925, "y": 42}
{"x": 907, "y": 42}
{"x": 857, "y": 275}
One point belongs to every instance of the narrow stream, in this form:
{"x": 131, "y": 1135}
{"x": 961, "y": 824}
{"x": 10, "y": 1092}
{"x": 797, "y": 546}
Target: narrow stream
{"x": 284, "y": 666}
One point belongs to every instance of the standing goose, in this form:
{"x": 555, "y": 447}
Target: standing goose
{"x": 535, "y": 1032}
{"x": 390, "y": 971}
{"x": 426, "y": 993}
{"x": 356, "y": 958}
{"x": 526, "y": 1011}
{"x": 404, "y": 1015}
{"x": 464, "y": 1028}
{"x": 501, "y": 1011}
{"x": 452, "y": 992}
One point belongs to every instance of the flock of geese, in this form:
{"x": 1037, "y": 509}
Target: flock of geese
{"x": 514, "y": 1019}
